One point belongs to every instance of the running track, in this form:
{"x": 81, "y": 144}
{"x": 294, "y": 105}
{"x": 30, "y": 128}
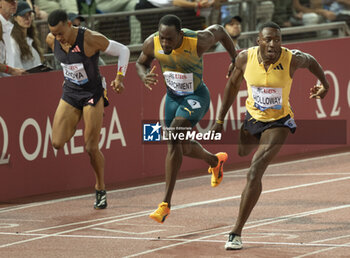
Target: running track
{"x": 304, "y": 211}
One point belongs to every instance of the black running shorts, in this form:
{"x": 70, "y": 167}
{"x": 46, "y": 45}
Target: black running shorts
{"x": 256, "y": 128}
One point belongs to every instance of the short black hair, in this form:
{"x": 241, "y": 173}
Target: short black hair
{"x": 171, "y": 20}
{"x": 269, "y": 24}
{"x": 56, "y": 17}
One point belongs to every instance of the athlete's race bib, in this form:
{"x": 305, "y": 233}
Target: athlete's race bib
{"x": 180, "y": 83}
{"x": 265, "y": 98}
{"x": 75, "y": 73}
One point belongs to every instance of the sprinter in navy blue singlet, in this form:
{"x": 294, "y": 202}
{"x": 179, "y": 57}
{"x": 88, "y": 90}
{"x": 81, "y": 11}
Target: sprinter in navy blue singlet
{"x": 78, "y": 50}
{"x": 82, "y": 79}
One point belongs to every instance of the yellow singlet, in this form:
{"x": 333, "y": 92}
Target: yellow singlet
{"x": 183, "y": 68}
{"x": 268, "y": 91}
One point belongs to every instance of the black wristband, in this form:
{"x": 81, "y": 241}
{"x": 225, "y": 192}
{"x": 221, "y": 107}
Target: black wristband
{"x": 233, "y": 60}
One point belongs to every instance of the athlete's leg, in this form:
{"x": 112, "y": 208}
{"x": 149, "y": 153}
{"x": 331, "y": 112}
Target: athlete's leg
{"x": 176, "y": 149}
{"x": 64, "y": 123}
{"x": 93, "y": 117}
{"x": 193, "y": 108}
{"x": 270, "y": 143}
{"x": 246, "y": 142}
{"x": 173, "y": 159}
{"x": 195, "y": 150}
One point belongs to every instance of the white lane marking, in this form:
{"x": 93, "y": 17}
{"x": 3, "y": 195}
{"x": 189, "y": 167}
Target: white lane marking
{"x": 69, "y": 231}
{"x": 326, "y": 249}
{"x": 262, "y": 222}
{"x": 141, "y": 213}
{"x": 185, "y": 241}
{"x": 24, "y": 206}
{"x": 301, "y": 174}
{"x": 175, "y": 239}
{"x": 8, "y": 225}
{"x": 330, "y": 239}
{"x": 128, "y": 232}
{"x": 269, "y": 221}
{"x": 181, "y": 206}
{"x": 16, "y": 220}
{"x": 320, "y": 251}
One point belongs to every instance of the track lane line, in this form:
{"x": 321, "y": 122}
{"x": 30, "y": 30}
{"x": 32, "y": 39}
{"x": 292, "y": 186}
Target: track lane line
{"x": 143, "y": 213}
{"x": 286, "y": 163}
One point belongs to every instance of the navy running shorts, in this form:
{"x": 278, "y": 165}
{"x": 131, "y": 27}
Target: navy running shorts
{"x": 81, "y": 98}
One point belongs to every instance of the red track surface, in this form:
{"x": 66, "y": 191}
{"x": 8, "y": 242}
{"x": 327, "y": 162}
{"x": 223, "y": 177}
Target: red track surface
{"x": 304, "y": 211}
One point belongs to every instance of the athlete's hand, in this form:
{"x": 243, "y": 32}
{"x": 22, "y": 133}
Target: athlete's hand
{"x": 217, "y": 127}
{"x": 318, "y": 92}
{"x": 150, "y": 79}
{"x": 117, "y": 86}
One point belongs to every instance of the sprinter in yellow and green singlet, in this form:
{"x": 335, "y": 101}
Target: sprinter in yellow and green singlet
{"x": 179, "y": 52}
{"x": 268, "y": 70}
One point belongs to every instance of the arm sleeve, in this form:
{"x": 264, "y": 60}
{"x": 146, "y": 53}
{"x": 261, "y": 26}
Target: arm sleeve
{"x": 116, "y": 49}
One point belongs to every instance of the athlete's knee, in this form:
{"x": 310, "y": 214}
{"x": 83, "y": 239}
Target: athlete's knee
{"x": 91, "y": 148}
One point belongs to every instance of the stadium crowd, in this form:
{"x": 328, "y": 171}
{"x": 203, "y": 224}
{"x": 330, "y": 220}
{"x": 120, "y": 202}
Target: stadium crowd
{"x": 132, "y": 29}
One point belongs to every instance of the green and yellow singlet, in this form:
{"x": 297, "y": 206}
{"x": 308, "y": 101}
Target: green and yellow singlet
{"x": 183, "y": 68}
{"x": 268, "y": 91}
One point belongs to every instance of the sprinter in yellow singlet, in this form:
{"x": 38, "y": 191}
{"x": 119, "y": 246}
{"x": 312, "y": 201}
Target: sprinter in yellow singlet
{"x": 268, "y": 70}
{"x": 179, "y": 52}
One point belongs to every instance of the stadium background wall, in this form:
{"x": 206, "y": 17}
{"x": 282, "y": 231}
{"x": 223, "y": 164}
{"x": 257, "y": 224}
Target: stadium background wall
{"x": 30, "y": 166}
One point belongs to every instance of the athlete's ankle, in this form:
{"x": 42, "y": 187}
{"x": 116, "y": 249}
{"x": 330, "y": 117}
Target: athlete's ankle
{"x": 214, "y": 161}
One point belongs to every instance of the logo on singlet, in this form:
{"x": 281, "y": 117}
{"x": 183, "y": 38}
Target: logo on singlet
{"x": 278, "y": 67}
{"x": 76, "y": 49}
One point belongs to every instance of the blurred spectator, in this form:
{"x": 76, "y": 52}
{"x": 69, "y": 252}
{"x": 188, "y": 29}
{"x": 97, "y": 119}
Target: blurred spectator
{"x": 109, "y": 6}
{"x": 312, "y": 11}
{"x": 189, "y": 16}
{"x": 76, "y": 19}
{"x": 70, "y": 6}
{"x": 234, "y": 28}
{"x": 24, "y": 39}
{"x": 7, "y": 9}
{"x": 39, "y": 14}
{"x": 284, "y": 14}
{"x": 127, "y": 30}
{"x": 264, "y": 12}
{"x": 143, "y": 4}
{"x": 340, "y": 8}
{"x": 87, "y": 7}
{"x": 229, "y": 10}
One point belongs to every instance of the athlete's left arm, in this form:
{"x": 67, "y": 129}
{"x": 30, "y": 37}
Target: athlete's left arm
{"x": 98, "y": 42}
{"x": 210, "y": 36}
{"x": 305, "y": 60}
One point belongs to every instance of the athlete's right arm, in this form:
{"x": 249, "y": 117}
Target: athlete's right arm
{"x": 231, "y": 90}
{"x": 143, "y": 64}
